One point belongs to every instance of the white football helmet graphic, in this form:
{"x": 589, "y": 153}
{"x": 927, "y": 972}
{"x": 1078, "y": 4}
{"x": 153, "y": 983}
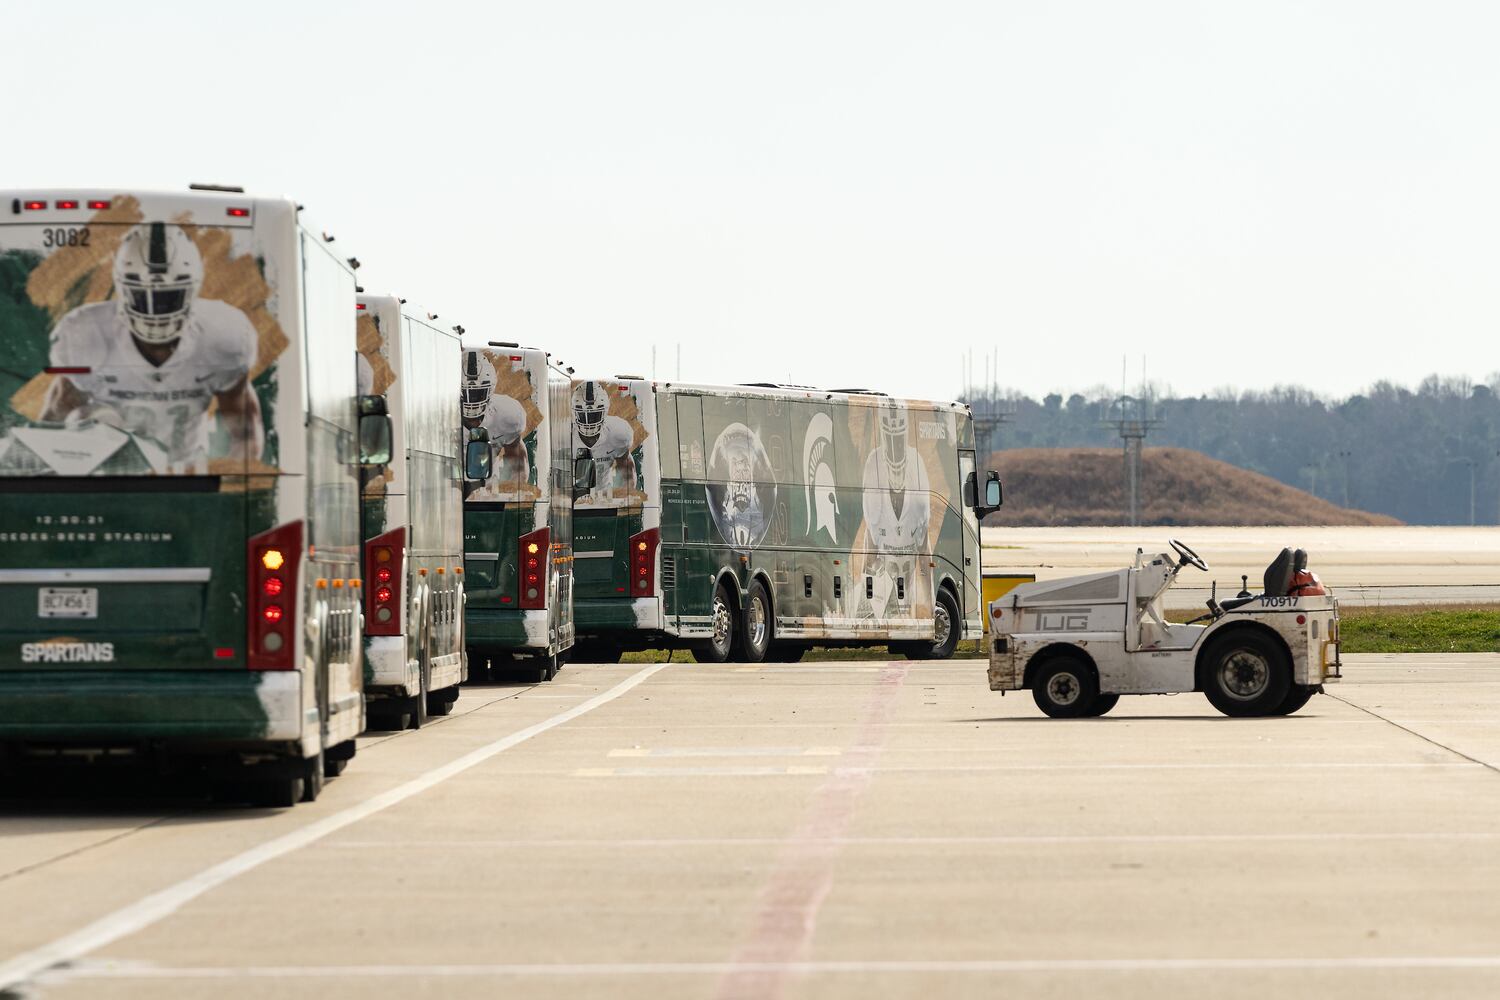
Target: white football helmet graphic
{"x": 507, "y": 421}
{"x": 590, "y": 403}
{"x": 893, "y": 428}
{"x": 817, "y": 467}
{"x": 158, "y": 271}
{"x": 478, "y": 383}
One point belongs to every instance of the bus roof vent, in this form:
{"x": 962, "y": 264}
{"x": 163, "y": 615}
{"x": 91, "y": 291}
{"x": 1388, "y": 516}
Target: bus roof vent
{"x": 859, "y": 392}
{"x": 504, "y": 343}
{"x": 226, "y": 188}
{"x": 777, "y": 385}
{"x": 626, "y": 377}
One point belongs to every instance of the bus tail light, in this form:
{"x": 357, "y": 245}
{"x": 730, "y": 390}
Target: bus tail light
{"x": 384, "y": 568}
{"x": 643, "y": 562}
{"x": 536, "y": 553}
{"x": 274, "y": 558}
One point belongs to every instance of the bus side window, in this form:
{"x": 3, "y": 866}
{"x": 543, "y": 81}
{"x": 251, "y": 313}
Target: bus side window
{"x": 666, "y": 435}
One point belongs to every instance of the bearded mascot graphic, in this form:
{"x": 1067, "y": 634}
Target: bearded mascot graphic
{"x": 741, "y": 487}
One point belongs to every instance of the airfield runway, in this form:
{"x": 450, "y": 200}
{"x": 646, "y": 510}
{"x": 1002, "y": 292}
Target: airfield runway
{"x": 813, "y": 830}
{"x": 1388, "y": 565}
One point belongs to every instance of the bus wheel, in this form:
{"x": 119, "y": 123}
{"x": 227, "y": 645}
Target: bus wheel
{"x": 312, "y": 777}
{"x": 1245, "y": 674}
{"x": 274, "y": 790}
{"x": 479, "y": 667}
{"x": 1065, "y": 688}
{"x": 718, "y": 648}
{"x": 944, "y": 633}
{"x": 759, "y": 625}
{"x": 441, "y": 702}
{"x": 595, "y": 652}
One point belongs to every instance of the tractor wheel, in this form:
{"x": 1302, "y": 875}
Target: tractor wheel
{"x": 1065, "y": 687}
{"x": 1246, "y": 674}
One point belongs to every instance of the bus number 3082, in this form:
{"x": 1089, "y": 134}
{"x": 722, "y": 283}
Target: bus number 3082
{"x": 65, "y": 237}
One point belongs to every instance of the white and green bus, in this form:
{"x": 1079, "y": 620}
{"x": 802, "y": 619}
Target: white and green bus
{"x": 411, "y": 515}
{"x": 753, "y": 522}
{"x": 179, "y": 493}
{"x": 518, "y": 511}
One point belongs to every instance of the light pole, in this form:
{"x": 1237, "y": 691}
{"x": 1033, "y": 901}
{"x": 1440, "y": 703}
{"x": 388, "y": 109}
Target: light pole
{"x": 1470, "y": 463}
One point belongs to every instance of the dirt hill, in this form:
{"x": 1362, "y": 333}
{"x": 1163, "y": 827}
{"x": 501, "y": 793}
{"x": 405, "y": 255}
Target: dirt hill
{"x": 1084, "y": 486}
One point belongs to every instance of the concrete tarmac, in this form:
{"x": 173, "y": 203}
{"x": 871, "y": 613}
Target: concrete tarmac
{"x": 815, "y": 830}
{"x": 1389, "y": 565}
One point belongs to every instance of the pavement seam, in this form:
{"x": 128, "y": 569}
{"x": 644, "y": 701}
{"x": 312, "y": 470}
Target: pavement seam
{"x": 1442, "y": 746}
{"x": 151, "y": 909}
{"x": 38, "y": 865}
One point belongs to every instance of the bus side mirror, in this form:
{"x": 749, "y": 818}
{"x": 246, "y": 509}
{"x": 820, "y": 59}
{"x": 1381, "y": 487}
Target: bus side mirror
{"x": 994, "y": 496}
{"x": 583, "y": 473}
{"x": 479, "y": 459}
{"x": 374, "y": 431}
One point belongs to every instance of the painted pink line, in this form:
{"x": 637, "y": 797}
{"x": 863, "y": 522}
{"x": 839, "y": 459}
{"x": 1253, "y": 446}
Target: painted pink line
{"x": 787, "y": 915}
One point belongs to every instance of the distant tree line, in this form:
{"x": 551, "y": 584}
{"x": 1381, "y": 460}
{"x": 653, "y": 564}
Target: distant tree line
{"x": 1408, "y": 453}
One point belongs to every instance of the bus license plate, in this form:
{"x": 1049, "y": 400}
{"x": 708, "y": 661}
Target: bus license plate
{"x": 68, "y": 602}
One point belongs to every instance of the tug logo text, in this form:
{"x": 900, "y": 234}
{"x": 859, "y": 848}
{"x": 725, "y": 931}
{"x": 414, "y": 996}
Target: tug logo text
{"x": 67, "y": 652}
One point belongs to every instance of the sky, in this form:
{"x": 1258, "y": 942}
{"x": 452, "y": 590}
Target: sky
{"x": 839, "y": 194}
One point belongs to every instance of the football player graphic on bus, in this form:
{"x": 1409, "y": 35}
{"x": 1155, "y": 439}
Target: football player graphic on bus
{"x": 606, "y": 439}
{"x": 154, "y": 359}
{"x": 896, "y": 506}
{"x": 496, "y": 418}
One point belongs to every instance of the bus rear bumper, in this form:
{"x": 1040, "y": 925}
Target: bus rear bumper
{"x": 603, "y": 615}
{"x": 387, "y": 670}
{"x": 85, "y": 706}
{"x": 505, "y": 629}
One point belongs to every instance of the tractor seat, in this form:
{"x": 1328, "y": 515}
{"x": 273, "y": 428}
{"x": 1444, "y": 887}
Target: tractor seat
{"x": 1277, "y": 579}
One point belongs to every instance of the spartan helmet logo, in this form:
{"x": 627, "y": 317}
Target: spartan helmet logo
{"x": 817, "y": 467}
{"x": 479, "y": 382}
{"x": 157, "y": 273}
{"x": 893, "y": 426}
{"x": 589, "y": 406}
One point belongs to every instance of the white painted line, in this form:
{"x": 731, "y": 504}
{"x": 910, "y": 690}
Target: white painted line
{"x": 145, "y": 912}
{"x": 132, "y": 970}
{"x": 726, "y": 752}
{"x": 694, "y": 772}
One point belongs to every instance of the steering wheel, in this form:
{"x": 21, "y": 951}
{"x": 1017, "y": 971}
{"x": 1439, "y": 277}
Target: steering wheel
{"x": 1189, "y": 557}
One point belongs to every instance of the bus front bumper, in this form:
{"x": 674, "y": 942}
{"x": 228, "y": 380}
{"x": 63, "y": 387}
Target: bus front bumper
{"x": 97, "y": 706}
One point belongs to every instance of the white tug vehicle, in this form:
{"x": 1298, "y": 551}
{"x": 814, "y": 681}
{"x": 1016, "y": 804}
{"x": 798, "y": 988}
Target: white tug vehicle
{"x": 1081, "y": 642}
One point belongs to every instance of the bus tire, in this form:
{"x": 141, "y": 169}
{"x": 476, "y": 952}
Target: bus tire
{"x": 758, "y": 629}
{"x": 1245, "y": 673}
{"x": 595, "y": 651}
{"x": 441, "y": 702}
{"x": 1065, "y": 687}
{"x": 944, "y": 615}
{"x": 718, "y": 648}
{"x": 313, "y": 777}
{"x": 275, "y": 789}
{"x": 478, "y": 666}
